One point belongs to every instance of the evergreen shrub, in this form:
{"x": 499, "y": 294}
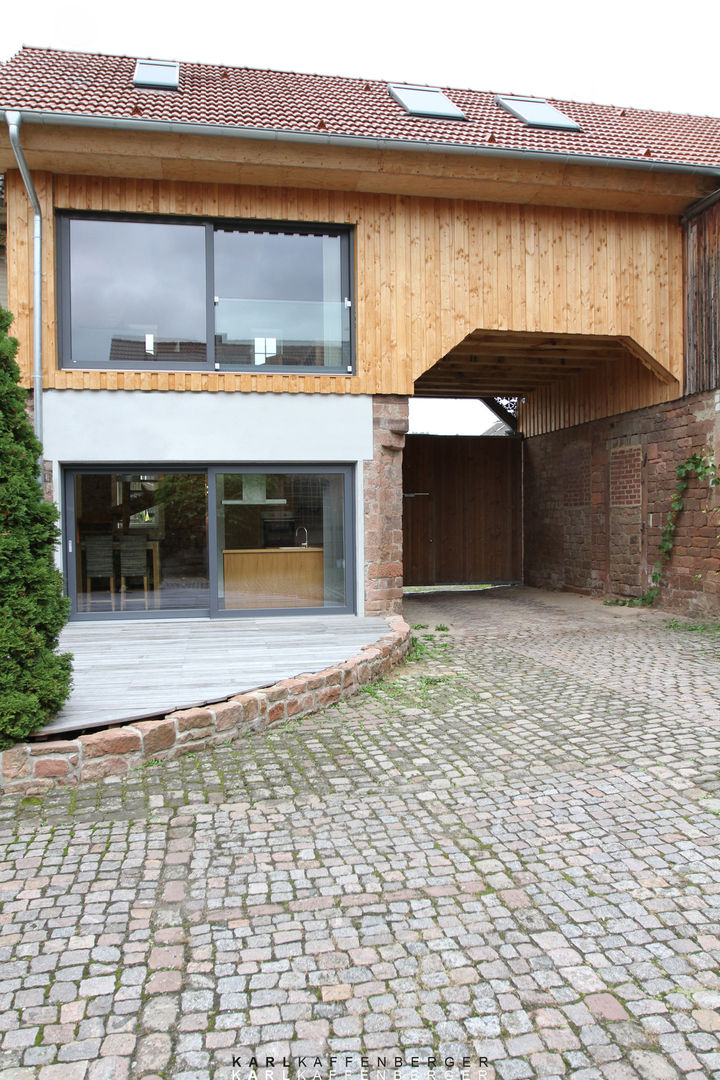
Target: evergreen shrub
{"x": 34, "y": 677}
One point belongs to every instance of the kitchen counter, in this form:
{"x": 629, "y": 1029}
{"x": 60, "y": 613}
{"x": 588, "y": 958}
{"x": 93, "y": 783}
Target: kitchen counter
{"x": 282, "y": 577}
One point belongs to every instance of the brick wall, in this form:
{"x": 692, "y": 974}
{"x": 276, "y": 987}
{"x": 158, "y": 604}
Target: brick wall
{"x": 597, "y": 495}
{"x": 383, "y": 507}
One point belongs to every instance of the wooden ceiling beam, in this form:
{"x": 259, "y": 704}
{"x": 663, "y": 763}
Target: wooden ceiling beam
{"x": 479, "y": 348}
{"x": 508, "y": 363}
{"x": 474, "y": 391}
{"x": 539, "y": 337}
{"x": 487, "y": 388}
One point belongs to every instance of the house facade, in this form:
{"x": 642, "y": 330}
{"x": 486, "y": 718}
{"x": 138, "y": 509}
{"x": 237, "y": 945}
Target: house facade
{"x": 227, "y": 283}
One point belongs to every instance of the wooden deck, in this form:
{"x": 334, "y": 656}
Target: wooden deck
{"x": 129, "y": 670}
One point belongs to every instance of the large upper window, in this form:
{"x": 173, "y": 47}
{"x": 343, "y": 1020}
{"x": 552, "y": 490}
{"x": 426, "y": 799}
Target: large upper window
{"x": 153, "y": 294}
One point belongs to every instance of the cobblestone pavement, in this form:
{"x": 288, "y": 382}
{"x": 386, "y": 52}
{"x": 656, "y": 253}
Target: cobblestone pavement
{"x": 508, "y": 852}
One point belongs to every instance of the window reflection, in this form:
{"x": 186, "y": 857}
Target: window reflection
{"x": 141, "y": 541}
{"x": 137, "y": 292}
{"x": 281, "y": 300}
{"x": 281, "y": 540}
{"x": 155, "y": 293}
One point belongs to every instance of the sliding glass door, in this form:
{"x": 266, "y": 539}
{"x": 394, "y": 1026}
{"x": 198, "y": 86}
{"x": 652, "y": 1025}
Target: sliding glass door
{"x": 281, "y": 540}
{"x": 147, "y": 542}
{"x": 139, "y": 542}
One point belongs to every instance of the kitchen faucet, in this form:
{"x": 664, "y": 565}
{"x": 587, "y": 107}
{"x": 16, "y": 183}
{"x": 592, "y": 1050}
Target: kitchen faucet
{"x": 301, "y": 528}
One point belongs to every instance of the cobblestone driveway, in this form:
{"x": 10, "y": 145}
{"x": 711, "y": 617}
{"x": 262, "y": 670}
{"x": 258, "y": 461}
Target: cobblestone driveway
{"x": 509, "y": 851}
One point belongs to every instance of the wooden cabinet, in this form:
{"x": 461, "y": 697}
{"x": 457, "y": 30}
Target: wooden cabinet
{"x": 274, "y": 577}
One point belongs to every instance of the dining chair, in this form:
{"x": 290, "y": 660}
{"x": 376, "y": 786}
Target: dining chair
{"x": 133, "y": 564}
{"x": 99, "y": 564}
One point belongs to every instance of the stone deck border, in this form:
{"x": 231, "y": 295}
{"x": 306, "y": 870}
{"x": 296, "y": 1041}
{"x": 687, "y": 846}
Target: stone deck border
{"x": 33, "y": 767}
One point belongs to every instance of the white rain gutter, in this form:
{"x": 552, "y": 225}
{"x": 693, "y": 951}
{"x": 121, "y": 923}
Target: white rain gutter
{"x": 272, "y": 135}
{"x": 14, "y": 120}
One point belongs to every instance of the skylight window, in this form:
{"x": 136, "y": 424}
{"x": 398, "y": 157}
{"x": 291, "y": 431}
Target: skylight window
{"x": 536, "y": 112}
{"x": 426, "y": 101}
{"x": 157, "y": 74}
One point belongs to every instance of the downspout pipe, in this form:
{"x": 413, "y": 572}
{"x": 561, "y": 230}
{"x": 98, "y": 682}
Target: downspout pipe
{"x": 701, "y": 206}
{"x": 14, "y": 119}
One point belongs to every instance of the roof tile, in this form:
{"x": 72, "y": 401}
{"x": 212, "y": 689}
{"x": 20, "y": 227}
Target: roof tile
{"x": 94, "y": 85}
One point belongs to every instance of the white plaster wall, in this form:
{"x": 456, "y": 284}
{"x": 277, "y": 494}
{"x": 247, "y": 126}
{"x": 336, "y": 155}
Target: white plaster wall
{"x": 101, "y": 427}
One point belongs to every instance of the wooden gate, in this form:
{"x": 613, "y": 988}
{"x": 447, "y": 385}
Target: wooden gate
{"x": 462, "y": 510}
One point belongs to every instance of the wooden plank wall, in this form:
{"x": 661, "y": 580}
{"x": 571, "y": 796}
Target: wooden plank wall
{"x": 613, "y": 387}
{"x": 428, "y": 271}
{"x": 462, "y": 514}
{"x": 702, "y": 335}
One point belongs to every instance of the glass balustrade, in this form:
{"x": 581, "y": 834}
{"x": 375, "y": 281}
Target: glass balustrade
{"x": 281, "y": 333}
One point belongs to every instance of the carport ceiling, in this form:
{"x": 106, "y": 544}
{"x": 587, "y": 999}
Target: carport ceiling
{"x": 489, "y": 362}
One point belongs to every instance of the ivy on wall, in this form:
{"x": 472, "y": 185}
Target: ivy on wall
{"x": 704, "y": 468}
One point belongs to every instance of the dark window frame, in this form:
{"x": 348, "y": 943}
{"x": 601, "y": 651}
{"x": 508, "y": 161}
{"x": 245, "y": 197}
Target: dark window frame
{"x": 69, "y": 470}
{"x": 211, "y": 225}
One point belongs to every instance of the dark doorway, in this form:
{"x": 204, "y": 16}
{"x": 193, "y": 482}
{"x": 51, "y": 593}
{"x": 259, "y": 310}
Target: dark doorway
{"x": 462, "y": 510}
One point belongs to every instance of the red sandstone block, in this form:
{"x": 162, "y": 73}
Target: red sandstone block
{"x": 15, "y": 763}
{"x": 278, "y": 692}
{"x": 332, "y": 676}
{"x": 385, "y": 570}
{"x": 276, "y": 712}
{"x": 251, "y": 705}
{"x": 107, "y": 766}
{"x": 156, "y": 735}
{"x": 62, "y": 746}
{"x": 199, "y": 736}
{"x": 296, "y": 686}
{"x": 363, "y": 674}
{"x": 329, "y": 695}
{"x": 314, "y": 682}
{"x": 189, "y": 719}
{"x": 306, "y": 703}
{"x": 228, "y": 714}
{"x": 52, "y": 767}
{"x": 28, "y": 787}
{"x": 112, "y": 741}
{"x": 194, "y": 743}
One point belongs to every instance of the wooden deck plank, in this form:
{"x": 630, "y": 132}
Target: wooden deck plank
{"x": 125, "y": 671}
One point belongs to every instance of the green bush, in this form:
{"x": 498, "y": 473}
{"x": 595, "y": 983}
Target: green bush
{"x": 34, "y": 678}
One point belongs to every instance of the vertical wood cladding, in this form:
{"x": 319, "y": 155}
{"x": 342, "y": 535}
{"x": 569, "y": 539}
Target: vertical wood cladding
{"x": 611, "y": 388}
{"x": 428, "y": 271}
{"x": 702, "y": 305}
{"x": 462, "y": 509}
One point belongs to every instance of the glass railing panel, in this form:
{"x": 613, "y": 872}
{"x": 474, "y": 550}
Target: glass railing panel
{"x": 281, "y": 333}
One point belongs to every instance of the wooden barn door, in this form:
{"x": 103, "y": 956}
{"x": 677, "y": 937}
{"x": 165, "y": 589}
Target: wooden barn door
{"x": 462, "y": 510}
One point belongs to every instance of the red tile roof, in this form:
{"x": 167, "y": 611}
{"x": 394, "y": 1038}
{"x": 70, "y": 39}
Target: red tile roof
{"x": 92, "y": 85}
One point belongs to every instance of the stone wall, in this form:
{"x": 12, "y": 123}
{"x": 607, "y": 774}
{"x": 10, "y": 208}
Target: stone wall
{"x": 383, "y": 507}
{"x": 597, "y": 496}
{"x": 33, "y": 767}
